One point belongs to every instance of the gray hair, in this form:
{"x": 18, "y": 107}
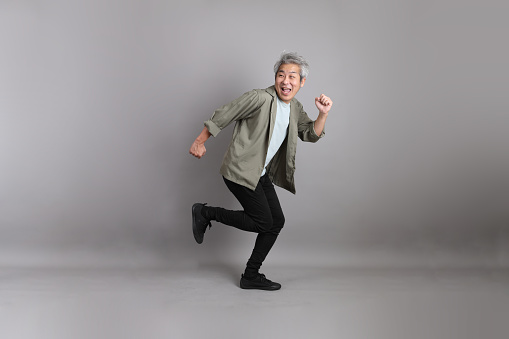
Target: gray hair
{"x": 293, "y": 58}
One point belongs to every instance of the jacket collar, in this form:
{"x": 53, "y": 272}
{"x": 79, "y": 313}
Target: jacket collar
{"x": 271, "y": 90}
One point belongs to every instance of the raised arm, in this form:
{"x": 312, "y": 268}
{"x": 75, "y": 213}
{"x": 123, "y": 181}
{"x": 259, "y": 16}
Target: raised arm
{"x": 324, "y": 104}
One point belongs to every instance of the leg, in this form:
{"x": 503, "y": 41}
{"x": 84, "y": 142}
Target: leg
{"x": 256, "y": 216}
{"x": 265, "y": 240}
{"x": 262, "y": 214}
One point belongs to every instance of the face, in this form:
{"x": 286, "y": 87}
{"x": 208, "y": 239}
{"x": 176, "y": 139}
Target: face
{"x": 288, "y": 82}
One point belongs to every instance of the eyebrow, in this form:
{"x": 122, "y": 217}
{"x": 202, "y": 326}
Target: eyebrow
{"x": 281, "y": 71}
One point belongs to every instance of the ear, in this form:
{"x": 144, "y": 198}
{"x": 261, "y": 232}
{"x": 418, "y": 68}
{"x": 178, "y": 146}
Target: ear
{"x": 302, "y": 82}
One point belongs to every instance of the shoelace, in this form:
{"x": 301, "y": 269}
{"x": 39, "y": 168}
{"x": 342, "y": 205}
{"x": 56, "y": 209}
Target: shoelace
{"x": 263, "y": 278}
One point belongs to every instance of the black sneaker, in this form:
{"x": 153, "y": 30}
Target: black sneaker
{"x": 200, "y": 223}
{"x": 259, "y": 283}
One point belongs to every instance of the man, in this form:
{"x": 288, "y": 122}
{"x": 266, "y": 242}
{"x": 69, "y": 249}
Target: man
{"x": 261, "y": 153}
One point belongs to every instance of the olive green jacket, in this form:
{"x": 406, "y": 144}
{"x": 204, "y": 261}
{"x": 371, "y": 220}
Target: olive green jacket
{"x": 255, "y": 113}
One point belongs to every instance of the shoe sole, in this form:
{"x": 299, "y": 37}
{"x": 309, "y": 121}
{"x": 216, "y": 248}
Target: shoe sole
{"x": 268, "y": 288}
{"x": 196, "y": 233}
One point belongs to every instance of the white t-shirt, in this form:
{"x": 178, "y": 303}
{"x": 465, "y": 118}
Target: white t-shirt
{"x": 279, "y": 132}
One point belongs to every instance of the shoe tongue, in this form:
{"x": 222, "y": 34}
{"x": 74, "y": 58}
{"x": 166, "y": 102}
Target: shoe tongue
{"x": 251, "y": 276}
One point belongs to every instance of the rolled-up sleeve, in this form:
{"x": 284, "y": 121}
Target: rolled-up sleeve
{"x": 240, "y": 108}
{"x": 306, "y": 129}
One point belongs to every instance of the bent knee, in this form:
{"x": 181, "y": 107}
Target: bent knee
{"x": 279, "y": 221}
{"x": 275, "y": 226}
{"x": 271, "y": 223}
{"x": 265, "y": 224}
{"x": 278, "y": 224}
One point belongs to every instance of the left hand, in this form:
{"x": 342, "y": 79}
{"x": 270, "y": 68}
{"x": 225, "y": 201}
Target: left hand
{"x": 323, "y": 103}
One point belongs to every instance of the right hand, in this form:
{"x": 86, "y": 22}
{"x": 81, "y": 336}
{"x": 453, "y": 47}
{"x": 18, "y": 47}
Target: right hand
{"x": 197, "y": 149}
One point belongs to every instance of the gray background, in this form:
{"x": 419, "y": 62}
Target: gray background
{"x": 100, "y": 101}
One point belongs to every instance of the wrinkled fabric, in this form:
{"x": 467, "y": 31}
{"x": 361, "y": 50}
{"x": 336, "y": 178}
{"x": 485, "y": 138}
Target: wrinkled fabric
{"x": 254, "y": 115}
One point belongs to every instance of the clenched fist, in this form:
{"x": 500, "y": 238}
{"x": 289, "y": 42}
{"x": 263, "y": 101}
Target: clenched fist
{"x": 197, "y": 149}
{"x": 323, "y": 103}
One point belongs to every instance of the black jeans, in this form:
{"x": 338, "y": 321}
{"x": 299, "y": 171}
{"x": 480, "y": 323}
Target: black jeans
{"x": 262, "y": 214}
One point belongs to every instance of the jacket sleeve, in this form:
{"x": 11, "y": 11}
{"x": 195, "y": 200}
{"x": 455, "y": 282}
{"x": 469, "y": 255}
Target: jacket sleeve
{"x": 240, "y": 108}
{"x": 306, "y": 128}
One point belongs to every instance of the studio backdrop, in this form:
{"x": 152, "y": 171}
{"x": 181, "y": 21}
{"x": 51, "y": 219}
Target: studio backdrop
{"x": 101, "y": 100}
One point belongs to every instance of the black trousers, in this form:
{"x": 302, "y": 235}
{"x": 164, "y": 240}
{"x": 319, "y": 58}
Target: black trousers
{"x": 262, "y": 214}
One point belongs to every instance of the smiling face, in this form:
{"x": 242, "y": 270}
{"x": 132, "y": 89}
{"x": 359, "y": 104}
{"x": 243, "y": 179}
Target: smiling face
{"x": 288, "y": 82}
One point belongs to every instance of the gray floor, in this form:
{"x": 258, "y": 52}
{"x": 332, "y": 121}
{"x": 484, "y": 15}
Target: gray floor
{"x": 205, "y": 302}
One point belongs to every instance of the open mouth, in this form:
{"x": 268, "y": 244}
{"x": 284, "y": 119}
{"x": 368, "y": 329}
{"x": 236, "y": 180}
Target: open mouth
{"x": 286, "y": 90}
